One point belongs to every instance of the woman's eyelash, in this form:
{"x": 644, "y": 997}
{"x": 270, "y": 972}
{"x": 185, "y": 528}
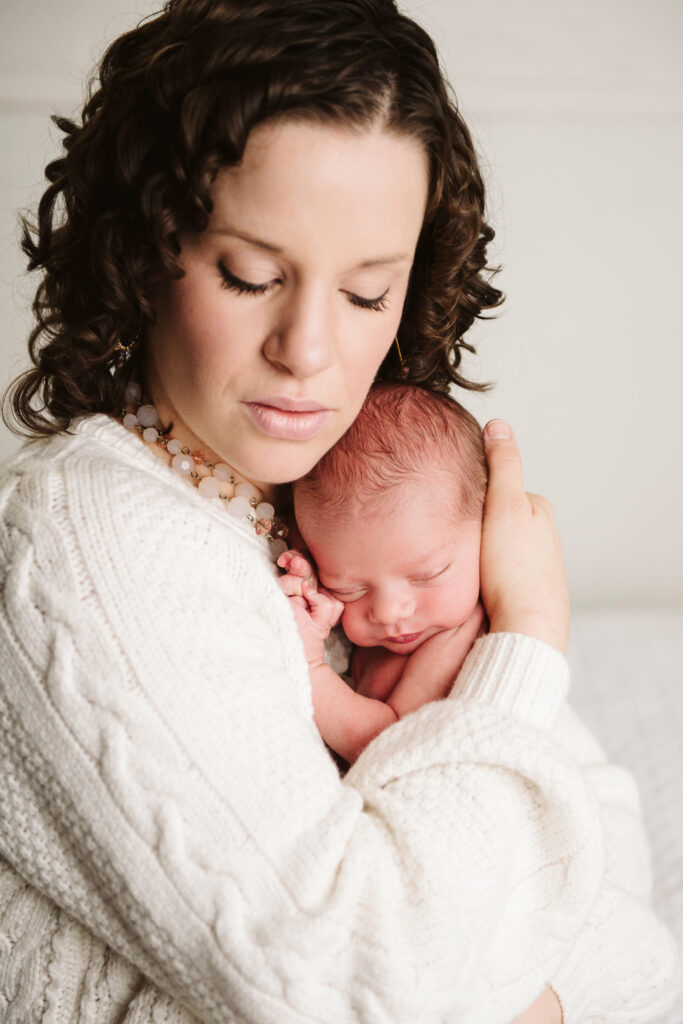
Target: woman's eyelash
{"x": 377, "y": 304}
{"x": 236, "y": 284}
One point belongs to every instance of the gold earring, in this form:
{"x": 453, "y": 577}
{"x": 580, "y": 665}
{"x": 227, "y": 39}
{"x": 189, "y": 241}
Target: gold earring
{"x": 404, "y": 369}
{"x": 124, "y": 350}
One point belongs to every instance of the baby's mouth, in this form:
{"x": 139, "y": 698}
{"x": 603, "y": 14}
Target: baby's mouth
{"x": 404, "y": 638}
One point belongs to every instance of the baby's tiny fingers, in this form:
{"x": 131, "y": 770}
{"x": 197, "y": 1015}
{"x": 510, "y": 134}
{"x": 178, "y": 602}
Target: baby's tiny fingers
{"x": 317, "y": 601}
{"x": 311, "y": 593}
{"x": 325, "y": 610}
{"x": 302, "y": 567}
{"x": 290, "y": 585}
{"x": 285, "y": 559}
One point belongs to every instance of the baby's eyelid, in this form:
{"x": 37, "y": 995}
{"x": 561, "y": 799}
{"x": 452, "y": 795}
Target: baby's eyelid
{"x": 345, "y": 595}
{"x": 430, "y": 577}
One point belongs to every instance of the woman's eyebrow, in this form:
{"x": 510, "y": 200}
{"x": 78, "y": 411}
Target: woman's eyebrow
{"x": 399, "y": 257}
{"x": 245, "y": 237}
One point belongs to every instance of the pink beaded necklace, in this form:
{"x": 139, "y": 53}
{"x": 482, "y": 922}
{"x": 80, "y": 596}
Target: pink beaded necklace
{"x": 212, "y": 480}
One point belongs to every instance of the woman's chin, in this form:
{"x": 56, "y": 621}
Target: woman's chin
{"x": 283, "y": 463}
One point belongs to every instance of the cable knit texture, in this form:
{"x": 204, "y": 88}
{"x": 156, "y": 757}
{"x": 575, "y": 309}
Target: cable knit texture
{"x": 177, "y": 842}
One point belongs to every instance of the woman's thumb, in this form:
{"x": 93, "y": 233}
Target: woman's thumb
{"x": 504, "y": 462}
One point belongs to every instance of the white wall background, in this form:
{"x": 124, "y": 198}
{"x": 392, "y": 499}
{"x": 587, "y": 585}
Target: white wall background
{"x": 577, "y": 107}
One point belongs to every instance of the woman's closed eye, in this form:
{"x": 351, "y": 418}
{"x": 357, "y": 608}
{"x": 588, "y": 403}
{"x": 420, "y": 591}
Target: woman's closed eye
{"x": 237, "y": 284}
{"x": 378, "y": 305}
{"x": 242, "y": 287}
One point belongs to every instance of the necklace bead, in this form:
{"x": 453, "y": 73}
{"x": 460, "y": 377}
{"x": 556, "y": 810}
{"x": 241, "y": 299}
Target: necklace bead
{"x": 182, "y": 464}
{"x": 242, "y": 499}
{"x": 147, "y": 416}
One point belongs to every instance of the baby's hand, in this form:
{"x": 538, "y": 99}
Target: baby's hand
{"x": 324, "y": 609}
{"x": 298, "y": 570}
{"x": 315, "y": 611}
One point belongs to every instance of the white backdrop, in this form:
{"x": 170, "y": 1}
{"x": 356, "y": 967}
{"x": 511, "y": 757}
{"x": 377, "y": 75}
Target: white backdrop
{"x": 577, "y": 108}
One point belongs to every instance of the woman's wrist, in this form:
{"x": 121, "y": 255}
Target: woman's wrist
{"x": 549, "y": 629}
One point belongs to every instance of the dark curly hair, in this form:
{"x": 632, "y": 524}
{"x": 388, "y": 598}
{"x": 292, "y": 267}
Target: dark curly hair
{"x": 174, "y": 101}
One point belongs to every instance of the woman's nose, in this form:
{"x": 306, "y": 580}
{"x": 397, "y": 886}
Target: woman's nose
{"x": 301, "y": 341}
{"x": 388, "y": 607}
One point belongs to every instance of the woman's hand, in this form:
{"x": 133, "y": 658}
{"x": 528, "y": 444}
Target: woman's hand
{"x": 546, "y": 1010}
{"x": 523, "y": 581}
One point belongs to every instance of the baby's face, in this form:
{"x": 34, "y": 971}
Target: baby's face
{"x": 404, "y": 573}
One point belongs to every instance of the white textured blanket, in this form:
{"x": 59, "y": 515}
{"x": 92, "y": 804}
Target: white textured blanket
{"x": 627, "y": 684}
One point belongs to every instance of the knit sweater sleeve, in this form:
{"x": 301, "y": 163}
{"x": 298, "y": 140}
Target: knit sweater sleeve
{"x": 625, "y": 965}
{"x": 166, "y": 785}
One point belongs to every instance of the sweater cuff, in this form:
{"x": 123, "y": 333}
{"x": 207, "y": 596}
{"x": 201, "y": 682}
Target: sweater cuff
{"x": 516, "y": 674}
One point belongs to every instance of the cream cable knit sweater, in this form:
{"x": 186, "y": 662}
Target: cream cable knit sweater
{"x": 171, "y": 822}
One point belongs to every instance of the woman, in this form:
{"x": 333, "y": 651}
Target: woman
{"x": 259, "y": 200}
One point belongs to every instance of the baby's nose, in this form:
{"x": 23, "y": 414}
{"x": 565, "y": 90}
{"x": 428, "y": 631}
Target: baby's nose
{"x": 390, "y": 607}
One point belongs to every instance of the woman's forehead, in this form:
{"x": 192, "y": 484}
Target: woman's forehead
{"x": 298, "y": 178}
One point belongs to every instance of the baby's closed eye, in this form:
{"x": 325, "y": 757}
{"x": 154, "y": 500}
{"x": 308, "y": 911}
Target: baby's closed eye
{"x": 345, "y": 594}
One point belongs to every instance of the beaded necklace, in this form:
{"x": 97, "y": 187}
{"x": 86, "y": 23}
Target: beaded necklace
{"x": 212, "y": 480}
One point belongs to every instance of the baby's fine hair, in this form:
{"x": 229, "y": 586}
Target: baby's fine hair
{"x": 401, "y": 433}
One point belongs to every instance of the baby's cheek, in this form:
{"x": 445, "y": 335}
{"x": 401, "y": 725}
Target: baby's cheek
{"x": 353, "y": 624}
{"x": 462, "y": 602}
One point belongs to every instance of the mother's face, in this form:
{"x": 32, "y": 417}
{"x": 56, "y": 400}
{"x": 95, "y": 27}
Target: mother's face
{"x": 263, "y": 352}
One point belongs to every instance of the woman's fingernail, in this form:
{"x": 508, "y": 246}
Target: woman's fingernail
{"x": 497, "y": 429}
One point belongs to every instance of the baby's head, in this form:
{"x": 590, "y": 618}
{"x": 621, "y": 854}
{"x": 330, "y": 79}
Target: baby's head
{"x": 392, "y": 516}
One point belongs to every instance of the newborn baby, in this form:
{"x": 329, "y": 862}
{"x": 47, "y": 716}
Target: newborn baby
{"x": 392, "y": 521}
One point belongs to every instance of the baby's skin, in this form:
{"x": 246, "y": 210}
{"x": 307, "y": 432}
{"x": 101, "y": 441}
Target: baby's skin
{"x": 403, "y": 578}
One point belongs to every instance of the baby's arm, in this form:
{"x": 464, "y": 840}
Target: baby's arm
{"x": 346, "y": 720}
{"x": 406, "y": 682}
{"x": 431, "y": 670}
{"x": 376, "y": 671}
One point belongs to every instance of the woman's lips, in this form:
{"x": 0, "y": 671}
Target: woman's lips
{"x": 289, "y": 420}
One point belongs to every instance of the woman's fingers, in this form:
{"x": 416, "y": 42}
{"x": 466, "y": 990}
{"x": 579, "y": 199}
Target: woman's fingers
{"x": 523, "y": 582}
